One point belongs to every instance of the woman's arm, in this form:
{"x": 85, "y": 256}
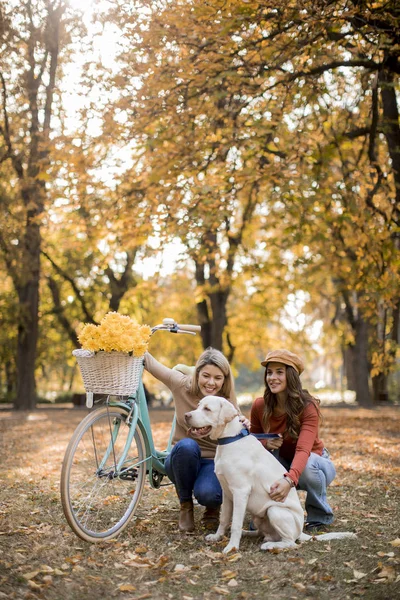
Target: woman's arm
{"x": 308, "y": 433}
{"x": 256, "y": 412}
{"x": 305, "y": 442}
{"x": 169, "y": 377}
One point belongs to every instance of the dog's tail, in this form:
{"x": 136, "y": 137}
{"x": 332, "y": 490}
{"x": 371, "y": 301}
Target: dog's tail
{"x": 326, "y": 537}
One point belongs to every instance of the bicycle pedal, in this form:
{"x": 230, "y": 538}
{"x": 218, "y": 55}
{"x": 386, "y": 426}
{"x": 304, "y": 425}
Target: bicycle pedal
{"x": 129, "y": 474}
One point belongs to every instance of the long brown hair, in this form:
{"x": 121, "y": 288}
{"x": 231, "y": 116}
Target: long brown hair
{"x": 211, "y": 356}
{"x": 296, "y": 400}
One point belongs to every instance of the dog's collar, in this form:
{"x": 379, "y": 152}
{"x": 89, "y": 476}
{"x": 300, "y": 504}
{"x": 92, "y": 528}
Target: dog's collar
{"x": 233, "y": 438}
{"x": 244, "y": 433}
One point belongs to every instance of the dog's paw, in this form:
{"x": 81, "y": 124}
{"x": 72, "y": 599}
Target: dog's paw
{"x": 277, "y": 545}
{"x": 213, "y": 537}
{"x": 267, "y": 546}
{"x": 229, "y": 548}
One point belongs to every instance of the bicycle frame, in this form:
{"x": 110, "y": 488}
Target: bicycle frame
{"x": 138, "y": 416}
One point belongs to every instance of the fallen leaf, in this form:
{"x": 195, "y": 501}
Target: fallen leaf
{"x": 358, "y": 574}
{"x": 126, "y": 587}
{"x": 46, "y": 569}
{"x": 232, "y": 583}
{"x": 220, "y": 590}
{"x": 299, "y": 586}
{"x": 180, "y": 568}
{"x": 395, "y": 543}
{"x": 229, "y": 574}
{"x": 34, "y": 586}
{"x": 30, "y": 575}
{"x": 387, "y": 572}
{"x": 234, "y": 557}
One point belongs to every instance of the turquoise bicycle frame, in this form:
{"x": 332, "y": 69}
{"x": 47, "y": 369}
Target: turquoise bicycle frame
{"x": 139, "y": 417}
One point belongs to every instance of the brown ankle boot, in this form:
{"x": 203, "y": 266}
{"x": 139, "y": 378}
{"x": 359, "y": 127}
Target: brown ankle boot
{"x": 186, "y": 517}
{"x": 210, "y": 518}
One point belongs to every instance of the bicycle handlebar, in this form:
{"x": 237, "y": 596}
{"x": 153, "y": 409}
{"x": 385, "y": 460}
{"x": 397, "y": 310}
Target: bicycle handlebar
{"x": 173, "y": 327}
{"x": 191, "y": 328}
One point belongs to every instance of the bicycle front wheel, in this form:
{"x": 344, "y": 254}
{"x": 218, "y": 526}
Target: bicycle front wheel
{"x": 99, "y": 497}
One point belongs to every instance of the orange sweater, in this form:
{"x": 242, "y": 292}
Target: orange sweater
{"x": 296, "y": 452}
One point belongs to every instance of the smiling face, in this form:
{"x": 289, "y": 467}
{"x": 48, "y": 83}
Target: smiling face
{"x": 210, "y": 380}
{"x": 276, "y": 377}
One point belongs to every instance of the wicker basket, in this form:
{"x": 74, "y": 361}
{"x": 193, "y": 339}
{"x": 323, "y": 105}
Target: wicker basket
{"x": 114, "y": 373}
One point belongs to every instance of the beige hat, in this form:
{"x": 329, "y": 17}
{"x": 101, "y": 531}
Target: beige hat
{"x": 285, "y": 357}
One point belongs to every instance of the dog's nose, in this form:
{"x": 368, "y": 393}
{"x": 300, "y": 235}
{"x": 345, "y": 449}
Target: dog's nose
{"x": 188, "y": 416}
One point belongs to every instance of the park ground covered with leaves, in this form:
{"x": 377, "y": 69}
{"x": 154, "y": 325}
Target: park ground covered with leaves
{"x": 41, "y": 558}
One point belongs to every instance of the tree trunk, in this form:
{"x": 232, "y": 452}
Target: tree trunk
{"x": 28, "y": 327}
{"x": 363, "y": 395}
{"x": 205, "y": 322}
{"x": 218, "y": 302}
{"x": 349, "y": 368}
{"x": 380, "y": 388}
{"x": 211, "y": 309}
{"x": 391, "y": 128}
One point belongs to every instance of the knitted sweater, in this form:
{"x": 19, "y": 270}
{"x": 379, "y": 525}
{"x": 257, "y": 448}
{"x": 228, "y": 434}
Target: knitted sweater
{"x": 296, "y": 452}
{"x": 184, "y": 401}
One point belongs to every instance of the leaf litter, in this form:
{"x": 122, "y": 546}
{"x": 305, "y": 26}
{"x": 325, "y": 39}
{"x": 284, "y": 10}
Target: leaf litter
{"x": 40, "y": 558}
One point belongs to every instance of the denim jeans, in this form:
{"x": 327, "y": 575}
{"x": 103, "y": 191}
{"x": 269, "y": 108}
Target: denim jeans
{"x": 193, "y": 475}
{"x": 319, "y": 472}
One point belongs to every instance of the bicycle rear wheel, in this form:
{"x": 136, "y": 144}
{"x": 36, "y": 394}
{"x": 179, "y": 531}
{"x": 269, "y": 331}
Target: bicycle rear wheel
{"x": 99, "y": 499}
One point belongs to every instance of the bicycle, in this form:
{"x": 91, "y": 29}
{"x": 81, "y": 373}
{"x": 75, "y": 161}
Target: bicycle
{"x": 110, "y": 453}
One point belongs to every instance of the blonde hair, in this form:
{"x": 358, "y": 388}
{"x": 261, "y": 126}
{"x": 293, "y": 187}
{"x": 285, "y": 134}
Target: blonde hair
{"x": 211, "y": 356}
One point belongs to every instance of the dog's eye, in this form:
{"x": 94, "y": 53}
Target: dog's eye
{"x": 206, "y": 408}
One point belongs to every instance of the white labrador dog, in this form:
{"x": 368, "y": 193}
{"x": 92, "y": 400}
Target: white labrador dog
{"x": 246, "y": 471}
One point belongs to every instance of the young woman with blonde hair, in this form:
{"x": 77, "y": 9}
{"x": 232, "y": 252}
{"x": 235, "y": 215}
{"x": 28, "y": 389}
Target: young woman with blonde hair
{"x": 190, "y": 466}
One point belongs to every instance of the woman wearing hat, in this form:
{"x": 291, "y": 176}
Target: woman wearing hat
{"x": 286, "y": 408}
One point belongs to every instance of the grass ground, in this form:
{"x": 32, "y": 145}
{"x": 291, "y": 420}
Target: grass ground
{"x": 40, "y": 558}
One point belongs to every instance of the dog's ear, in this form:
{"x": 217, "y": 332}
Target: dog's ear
{"x": 227, "y": 412}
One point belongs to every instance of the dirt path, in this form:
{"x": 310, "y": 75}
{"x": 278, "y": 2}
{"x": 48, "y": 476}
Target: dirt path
{"x": 41, "y": 558}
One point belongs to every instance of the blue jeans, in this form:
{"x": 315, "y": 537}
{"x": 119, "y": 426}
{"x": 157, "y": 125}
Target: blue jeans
{"x": 319, "y": 472}
{"x": 193, "y": 475}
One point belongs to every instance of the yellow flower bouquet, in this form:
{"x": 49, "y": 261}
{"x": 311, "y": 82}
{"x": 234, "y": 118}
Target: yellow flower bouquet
{"x": 116, "y": 333}
{"x": 111, "y": 358}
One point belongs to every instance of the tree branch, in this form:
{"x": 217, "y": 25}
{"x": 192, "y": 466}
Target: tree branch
{"x": 79, "y": 297}
{"x": 5, "y": 132}
{"x": 60, "y": 313}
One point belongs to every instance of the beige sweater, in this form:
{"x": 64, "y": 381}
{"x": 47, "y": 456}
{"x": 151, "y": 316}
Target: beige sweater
{"x": 184, "y": 400}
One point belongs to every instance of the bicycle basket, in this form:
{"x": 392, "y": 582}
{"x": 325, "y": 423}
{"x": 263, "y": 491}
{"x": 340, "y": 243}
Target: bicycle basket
{"x": 114, "y": 373}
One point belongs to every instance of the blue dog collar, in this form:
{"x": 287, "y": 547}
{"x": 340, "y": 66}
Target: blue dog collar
{"x": 244, "y": 433}
{"x": 233, "y": 438}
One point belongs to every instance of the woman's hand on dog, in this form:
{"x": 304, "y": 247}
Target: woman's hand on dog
{"x": 274, "y": 443}
{"x": 245, "y": 421}
{"x": 279, "y": 490}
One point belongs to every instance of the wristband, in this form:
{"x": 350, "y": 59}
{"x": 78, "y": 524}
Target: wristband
{"x": 287, "y": 478}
